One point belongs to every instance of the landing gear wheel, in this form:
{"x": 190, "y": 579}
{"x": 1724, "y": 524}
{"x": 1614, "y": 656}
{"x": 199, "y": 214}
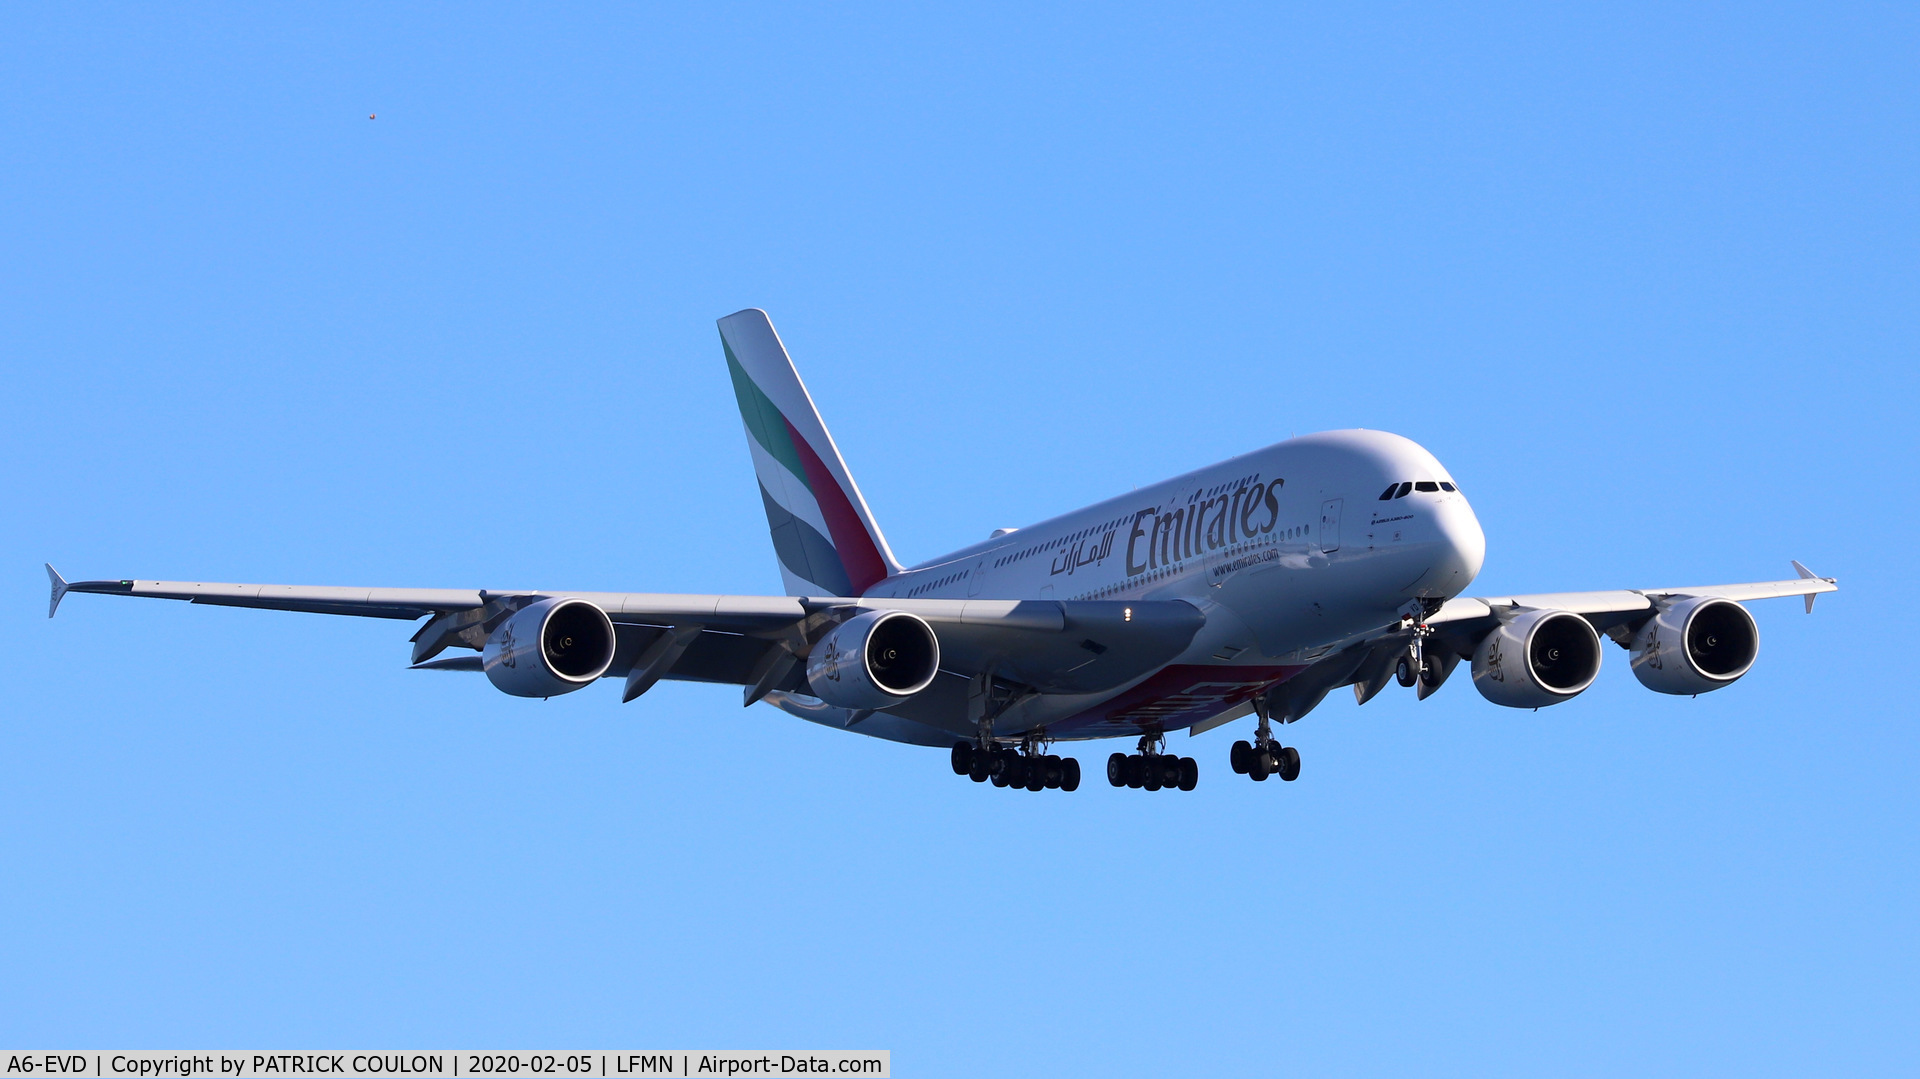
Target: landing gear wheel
{"x": 1289, "y": 764}
{"x": 981, "y": 768}
{"x": 1070, "y": 774}
{"x": 962, "y": 758}
{"x": 1053, "y": 771}
{"x": 1117, "y": 769}
{"x": 1189, "y": 773}
{"x": 1019, "y": 770}
{"x": 1241, "y": 754}
{"x": 1002, "y": 778}
{"x": 1151, "y": 766}
{"x": 1404, "y": 672}
{"x": 1260, "y": 766}
{"x": 1136, "y": 771}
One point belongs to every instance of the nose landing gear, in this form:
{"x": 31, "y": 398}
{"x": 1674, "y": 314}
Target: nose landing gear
{"x": 1265, "y": 756}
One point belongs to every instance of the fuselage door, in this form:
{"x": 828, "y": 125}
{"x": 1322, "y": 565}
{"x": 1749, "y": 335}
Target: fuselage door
{"x": 1330, "y": 525}
{"x": 977, "y": 577}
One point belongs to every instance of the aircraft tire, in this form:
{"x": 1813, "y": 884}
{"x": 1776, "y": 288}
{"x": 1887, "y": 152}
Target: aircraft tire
{"x": 1136, "y": 772}
{"x": 1289, "y": 764}
{"x": 1152, "y": 779}
{"x": 962, "y": 758}
{"x": 1257, "y": 767}
{"x": 1117, "y": 770}
{"x": 1404, "y": 673}
{"x": 1238, "y": 757}
{"x": 1070, "y": 774}
{"x": 1189, "y": 773}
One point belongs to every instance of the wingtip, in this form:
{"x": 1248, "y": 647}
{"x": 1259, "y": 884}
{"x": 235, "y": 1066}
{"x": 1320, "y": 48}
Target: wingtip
{"x": 1808, "y": 575}
{"x": 59, "y": 589}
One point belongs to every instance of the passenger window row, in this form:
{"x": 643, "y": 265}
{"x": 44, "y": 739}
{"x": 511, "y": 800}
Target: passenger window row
{"x": 1402, "y": 490}
{"x": 931, "y": 585}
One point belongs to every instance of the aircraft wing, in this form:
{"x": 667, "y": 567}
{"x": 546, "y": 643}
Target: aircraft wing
{"x": 1050, "y": 646}
{"x": 1608, "y": 609}
{"x": 1367, "y": 664}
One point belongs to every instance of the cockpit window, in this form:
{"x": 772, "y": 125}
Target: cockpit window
{"x": 1402, "y": 490}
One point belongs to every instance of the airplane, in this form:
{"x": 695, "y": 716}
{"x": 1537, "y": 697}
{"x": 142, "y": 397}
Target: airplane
{"x": 1252, "y": 587}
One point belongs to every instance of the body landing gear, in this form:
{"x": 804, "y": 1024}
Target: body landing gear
{"x": 1265, "y": 756}
{"x": 1151, "y": 769}
{"x": 1026, "y": 767}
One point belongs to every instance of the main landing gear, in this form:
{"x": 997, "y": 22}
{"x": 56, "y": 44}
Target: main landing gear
{"x": 1265, "y": 756}
{"x": 1026, "y": 767}
{"x": 1151, "y": 769}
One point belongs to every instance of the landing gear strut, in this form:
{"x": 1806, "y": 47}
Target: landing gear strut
{"x": 1152, "y": 769}
{"x": 1265, "y": 756}
{"x": 1414, "y": 667}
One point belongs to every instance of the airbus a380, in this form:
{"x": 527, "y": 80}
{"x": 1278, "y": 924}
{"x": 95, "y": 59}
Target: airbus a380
{"x": 1250, "y": 588}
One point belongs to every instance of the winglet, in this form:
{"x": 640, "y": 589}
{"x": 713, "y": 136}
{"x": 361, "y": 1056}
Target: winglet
{"x": 1805, "y": 575}
{"x": 59, "y": 589}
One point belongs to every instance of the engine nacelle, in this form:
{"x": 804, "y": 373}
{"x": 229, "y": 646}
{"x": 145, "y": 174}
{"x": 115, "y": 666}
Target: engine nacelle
{"x": 1695, "y": 645}
{"x": 1536, "y": 659}
{"x": 550, "y": 647}
{"x": 874, "y": 660}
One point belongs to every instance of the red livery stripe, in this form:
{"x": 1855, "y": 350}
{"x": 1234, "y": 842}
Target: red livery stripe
{"x": 858, "y": 554}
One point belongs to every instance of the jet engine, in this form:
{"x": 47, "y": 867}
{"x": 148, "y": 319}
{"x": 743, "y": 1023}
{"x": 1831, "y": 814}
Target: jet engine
{"x": 1695, "y": 645}
{"x": 874, "y": 660}
{"x": 1536, "y": 659}
{"x": 550, "y": 647}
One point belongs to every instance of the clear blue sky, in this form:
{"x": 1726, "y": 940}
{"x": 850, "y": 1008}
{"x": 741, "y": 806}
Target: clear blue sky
{"x": 1645, "y": 280}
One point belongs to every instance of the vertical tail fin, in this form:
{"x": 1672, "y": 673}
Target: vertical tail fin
{"x": 823, "y": 533}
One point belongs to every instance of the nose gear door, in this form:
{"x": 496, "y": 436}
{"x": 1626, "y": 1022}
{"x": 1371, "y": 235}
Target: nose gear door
{"x": 1330, "y": 525}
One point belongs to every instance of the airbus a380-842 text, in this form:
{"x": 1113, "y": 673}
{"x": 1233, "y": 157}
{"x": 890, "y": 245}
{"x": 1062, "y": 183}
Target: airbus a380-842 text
{"x": 1251, "y": 588}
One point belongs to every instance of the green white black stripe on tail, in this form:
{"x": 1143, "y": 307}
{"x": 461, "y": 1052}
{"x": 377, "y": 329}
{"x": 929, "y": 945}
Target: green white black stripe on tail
{"x": 823, "y": 533}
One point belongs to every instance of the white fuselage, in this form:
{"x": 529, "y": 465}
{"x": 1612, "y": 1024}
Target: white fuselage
{"x": 1290, "y": 551}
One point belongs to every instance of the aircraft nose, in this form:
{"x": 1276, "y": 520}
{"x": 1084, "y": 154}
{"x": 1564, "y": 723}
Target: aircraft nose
{"x": 1461, "y": 546}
